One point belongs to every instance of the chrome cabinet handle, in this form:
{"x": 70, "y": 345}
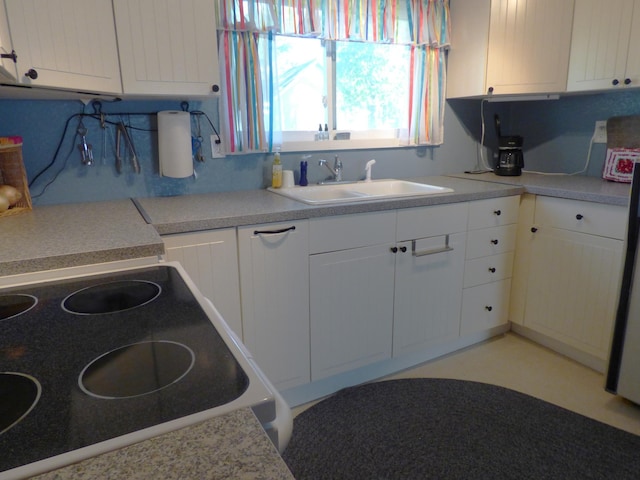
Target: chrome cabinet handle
{"x": 274, "y": 232}
{"x": 431, "y": 251}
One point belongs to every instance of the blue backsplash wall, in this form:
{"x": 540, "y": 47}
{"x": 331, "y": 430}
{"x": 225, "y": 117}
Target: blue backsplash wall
{"x": 43, "y": 124}
{"x": 556, "y": 135}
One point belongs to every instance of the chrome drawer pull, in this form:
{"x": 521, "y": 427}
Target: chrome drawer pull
{"x": 432, "y": 251}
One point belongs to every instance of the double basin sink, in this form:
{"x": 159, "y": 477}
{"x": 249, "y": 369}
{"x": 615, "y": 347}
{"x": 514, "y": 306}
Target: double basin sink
{"x": 358, "y": 191}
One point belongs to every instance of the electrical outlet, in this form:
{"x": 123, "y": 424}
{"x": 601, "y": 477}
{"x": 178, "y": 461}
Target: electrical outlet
{"x": 216, "y": 148}
{"x": 600, "y": 133}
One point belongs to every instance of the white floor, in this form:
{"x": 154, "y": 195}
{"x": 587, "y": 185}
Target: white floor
{"x": 514, "y": 362}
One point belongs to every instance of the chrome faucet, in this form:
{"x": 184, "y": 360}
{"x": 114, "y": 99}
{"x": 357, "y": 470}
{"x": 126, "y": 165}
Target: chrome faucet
{"x": 336, "y": 171}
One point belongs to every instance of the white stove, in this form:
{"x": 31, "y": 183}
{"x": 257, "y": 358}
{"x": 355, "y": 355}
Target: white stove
{"x": 94, "y": 359}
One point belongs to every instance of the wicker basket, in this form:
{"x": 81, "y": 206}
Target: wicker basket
{"x": 12, "y": 173}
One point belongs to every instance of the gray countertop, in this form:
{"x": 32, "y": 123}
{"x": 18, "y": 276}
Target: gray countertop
{"x": 232, "y": 446}
{"x": 577, "y": 187}
{"x": 219, "y": 210}
{"x": 60, "y": 236}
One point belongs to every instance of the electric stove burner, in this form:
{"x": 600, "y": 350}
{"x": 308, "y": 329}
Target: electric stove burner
{"x": 15, "y": 304}
{"x": 111, "y": 297}
{"x": 136, "y": 370}
{"x": 19, "y": 393}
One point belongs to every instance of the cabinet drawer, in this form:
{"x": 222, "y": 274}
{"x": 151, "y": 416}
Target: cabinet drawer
{"x": 579, "y": 216}
{"x": 429, "y": 221}
{"x": 487, "y": 269}
{"x": 485, "y": 306}
{"x": 493, "y": 212}
{"x": 328, "y": 234}
{"x": 491, "y": 241}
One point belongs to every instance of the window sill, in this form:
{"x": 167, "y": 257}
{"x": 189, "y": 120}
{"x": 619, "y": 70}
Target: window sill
{"x": 329, "y": 145}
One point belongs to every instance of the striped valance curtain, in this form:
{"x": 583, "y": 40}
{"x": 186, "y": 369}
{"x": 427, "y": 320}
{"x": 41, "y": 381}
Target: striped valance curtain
{"x": 246, "y": 51}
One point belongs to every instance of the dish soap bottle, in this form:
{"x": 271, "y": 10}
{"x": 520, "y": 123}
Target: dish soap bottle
{"x": 276, "y": 170}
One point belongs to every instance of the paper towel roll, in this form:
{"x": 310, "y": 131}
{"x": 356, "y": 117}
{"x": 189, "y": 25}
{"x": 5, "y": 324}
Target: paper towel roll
{"x": 174, "y": 144}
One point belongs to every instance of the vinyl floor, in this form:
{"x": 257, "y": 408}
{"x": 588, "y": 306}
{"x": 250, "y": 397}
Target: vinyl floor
{"x": 517, "y": 363}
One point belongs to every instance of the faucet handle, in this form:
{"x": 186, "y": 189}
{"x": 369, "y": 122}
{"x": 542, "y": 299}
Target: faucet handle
{"x": 337, "y": 163}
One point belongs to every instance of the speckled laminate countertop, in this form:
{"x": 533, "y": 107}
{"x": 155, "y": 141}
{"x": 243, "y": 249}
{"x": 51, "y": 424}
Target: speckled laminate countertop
{"x": 576, "y": 187}
{"x": 232, "y": 446}
{"x": 59, "y": 236}
{"x": 219, "y": 210}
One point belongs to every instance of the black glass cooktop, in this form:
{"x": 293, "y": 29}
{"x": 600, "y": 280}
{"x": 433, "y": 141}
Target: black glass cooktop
{"x": 88, "y": 359}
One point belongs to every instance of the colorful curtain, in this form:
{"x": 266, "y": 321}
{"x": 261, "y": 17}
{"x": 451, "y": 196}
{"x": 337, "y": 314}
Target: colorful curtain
{"x": 246, "y": 29}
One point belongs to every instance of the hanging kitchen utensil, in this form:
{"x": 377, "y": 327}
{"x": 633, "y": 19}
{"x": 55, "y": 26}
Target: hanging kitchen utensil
{"x": 84, "y": 147}
{"x": 198, "y": 141}
{"x": 103, "y": 125}
{"x": 118, "y": 157}
{"x": 132, "y": 152}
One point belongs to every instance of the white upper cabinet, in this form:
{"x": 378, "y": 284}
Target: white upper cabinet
{"x": 67, "y": 44}
{"x": 605, "y": 48}
{"x": 7, "y": 64}
{"x": 509, "y": 47}
{"x": 529, "y": 45}
{"x": 167, "y": 46}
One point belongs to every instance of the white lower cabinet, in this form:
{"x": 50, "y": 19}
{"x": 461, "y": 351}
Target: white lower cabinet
{"x": 428, "y": 292}
{"x": 351, "y": 291}
{"x": 274, "y": 281}
{"x": 573, "y": 253}
{"x": 385, "y": 285}
{"x": 491, "y": 242}
{"x": 351, "y": 308}
{"x": 573, "y": 285}
{"x": 210, "y": 259}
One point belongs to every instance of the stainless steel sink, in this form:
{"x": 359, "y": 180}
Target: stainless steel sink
{"x": 359, "y": 191}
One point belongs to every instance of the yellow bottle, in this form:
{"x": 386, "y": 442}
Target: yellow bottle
{"x": 276, "y": 171}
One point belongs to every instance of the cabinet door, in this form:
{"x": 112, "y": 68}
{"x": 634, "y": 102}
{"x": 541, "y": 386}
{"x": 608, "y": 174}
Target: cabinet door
{"x": 599, "y": 48}
{"x": 467, "y": 57}
{"x": 69, "y": 44}
{"x": 632, "y": 72}
{"x": 167, "y": 46}
{"x": 428, "y": 291}
{"x": 529, "y": 44}
{"x": 274, "y": 284}
{"x": 351, "y": 308}
{"x": 7, "y": 65}
{"x": 573, "y": 288}
{"x": 522, "y": 259}
{"x": 211, "y": 260}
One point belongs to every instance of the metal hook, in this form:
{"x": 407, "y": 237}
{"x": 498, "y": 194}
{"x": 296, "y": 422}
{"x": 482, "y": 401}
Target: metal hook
{"x": 97, "y": 107}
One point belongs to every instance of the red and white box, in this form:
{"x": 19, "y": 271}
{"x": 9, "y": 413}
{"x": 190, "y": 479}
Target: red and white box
{"x": 618, "y": 166}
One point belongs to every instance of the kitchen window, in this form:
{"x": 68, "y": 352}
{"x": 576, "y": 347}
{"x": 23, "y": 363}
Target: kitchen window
{"x": 372, "y": 71}
{"x": 358, "y": 90}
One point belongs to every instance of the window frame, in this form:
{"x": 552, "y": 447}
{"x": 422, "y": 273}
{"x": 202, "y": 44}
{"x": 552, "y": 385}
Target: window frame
{"x": 304, "y": 140}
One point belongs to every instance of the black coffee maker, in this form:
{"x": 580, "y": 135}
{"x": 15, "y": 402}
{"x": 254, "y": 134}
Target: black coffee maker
{"x": 510, "y": 157}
